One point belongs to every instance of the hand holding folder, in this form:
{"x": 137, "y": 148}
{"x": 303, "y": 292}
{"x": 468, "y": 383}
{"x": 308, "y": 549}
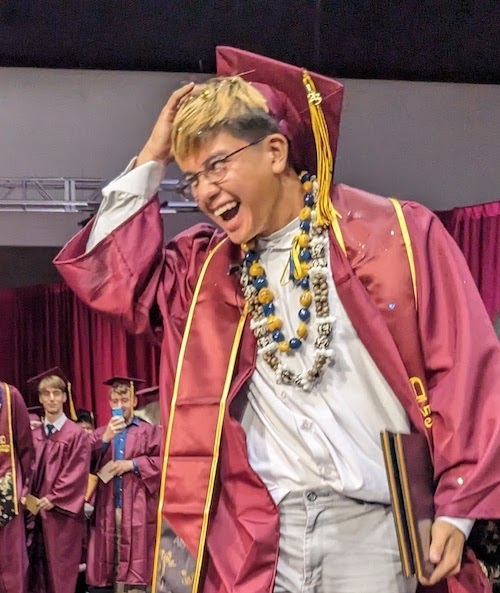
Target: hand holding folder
{"x": 31, "y": 504}
{"x": 411, "y": 484}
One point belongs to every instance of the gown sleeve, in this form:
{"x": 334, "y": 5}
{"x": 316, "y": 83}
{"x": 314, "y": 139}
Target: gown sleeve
{"x": 129, "y": 274}
{"x": 462, "y": 365}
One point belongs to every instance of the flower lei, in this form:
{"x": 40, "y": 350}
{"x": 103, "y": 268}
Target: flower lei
{"x": 308, "y": 269}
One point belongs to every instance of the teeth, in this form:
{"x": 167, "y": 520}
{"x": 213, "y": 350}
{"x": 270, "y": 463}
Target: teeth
{"x": 220, "y": 211}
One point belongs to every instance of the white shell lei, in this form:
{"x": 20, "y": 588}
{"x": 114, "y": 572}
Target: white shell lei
{"x": 324, "y": 323}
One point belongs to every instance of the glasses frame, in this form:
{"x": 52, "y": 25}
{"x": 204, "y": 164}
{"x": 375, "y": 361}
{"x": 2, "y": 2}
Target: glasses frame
{"x": 184, "y": 186}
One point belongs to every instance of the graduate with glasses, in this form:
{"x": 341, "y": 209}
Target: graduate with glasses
{"x": 307, "y": 319}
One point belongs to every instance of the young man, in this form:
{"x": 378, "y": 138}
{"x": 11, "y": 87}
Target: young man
{"x": 60, "y": 479}
{"x": 273, "y": 477}
{"x": 16, "y": 459}
{"x": 127, "y": 449}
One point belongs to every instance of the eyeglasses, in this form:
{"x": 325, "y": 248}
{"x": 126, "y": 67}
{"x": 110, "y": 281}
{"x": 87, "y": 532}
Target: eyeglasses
{"x": 213, "y": 171}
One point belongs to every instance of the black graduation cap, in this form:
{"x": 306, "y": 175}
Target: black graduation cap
{"x": 84, "y": 416}
{"x": 57, "y": 372}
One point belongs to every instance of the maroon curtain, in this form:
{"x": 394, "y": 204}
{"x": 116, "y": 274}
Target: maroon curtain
{"x": 46, "y": 326}
{"x": 476, "y": 229}
{"x": 102, "y": 349}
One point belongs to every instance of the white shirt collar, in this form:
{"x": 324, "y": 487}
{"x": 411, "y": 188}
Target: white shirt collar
{"x": 58, "y": 424}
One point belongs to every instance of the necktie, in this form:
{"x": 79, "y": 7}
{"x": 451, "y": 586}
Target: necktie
{"x": 50, "y": 429}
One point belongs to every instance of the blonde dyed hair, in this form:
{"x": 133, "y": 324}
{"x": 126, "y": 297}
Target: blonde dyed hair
{"x": 52, "y": 382}
{"x": 212, "y": 108}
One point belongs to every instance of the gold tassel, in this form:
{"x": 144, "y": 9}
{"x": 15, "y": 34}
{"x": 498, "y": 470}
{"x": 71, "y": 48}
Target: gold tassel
{"x": 325, "y": 212}
{"x": 72, "y": 411}
{"x": 132, "y": 396}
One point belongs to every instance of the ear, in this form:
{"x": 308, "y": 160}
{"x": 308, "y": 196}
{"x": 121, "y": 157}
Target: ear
{"x": 65, "y": 398}
{"x": 277, "y": 145}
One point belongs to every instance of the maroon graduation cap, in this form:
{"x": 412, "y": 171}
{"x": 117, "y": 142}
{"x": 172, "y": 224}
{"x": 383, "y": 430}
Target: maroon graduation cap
{"x": 33, "y": 382}
{"x": 149, "y": 395}
{"x": 35, "y": 412}
{"x": 307, "y": 106}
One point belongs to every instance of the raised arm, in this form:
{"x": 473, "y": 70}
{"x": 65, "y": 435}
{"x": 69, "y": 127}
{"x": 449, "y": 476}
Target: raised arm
{"x": 117, "y": 263}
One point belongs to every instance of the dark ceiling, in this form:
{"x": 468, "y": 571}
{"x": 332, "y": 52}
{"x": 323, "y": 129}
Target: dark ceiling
{"x": 434, "y": 40}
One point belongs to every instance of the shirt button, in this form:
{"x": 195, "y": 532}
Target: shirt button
{"x": 311, "y": 496}
{"x": 327, "y": 470}
{"x": 306, "y": 424}
{"x": 282, "y": 395}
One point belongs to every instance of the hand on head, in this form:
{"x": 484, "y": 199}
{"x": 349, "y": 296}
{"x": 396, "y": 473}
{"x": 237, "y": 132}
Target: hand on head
{"x": 159, "y": 145}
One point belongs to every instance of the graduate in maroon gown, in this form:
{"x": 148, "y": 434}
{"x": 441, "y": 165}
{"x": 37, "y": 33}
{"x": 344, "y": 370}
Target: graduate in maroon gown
{"x": 123, "y": 527}
{"x": 390, "y": 332}
{"x": 16, "y": 458}
{"x": 59, "y": 483}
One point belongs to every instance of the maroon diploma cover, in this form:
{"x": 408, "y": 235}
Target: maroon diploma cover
{"x": 411, "y": 484}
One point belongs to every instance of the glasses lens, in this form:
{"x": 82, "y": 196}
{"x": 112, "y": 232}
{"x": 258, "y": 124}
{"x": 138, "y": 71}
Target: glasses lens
{"x": 216, "y": 170}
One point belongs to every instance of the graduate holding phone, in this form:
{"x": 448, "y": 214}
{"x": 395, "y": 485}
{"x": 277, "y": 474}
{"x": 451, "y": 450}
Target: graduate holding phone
{"x": 125, "y": 454}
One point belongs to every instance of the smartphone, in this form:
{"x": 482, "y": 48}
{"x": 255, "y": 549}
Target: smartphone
{"x": 117, "y": 412}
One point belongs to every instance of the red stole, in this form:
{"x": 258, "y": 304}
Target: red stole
{"x": 8, "y": 488}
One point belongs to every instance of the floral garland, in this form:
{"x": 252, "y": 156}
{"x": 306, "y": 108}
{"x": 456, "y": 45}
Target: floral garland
{"x": 308, "y": 269}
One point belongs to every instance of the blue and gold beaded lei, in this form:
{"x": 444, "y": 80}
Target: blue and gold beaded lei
{"x": 308, "y": 269}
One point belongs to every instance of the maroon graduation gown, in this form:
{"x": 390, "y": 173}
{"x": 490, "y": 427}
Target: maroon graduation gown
{"x": 13, "y": 554}
{"x": 61, "y": 473}
{"x": 139, "y": 510}
{"x": 460, "y": 353}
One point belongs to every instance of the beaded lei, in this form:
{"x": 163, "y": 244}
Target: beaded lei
{"x": 308, "y": 269}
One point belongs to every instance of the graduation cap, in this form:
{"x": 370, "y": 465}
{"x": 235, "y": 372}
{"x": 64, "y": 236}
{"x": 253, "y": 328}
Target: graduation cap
{"x": 35, "y": 412}
{"x": 38, "y": 410}
{"x": 307, "y": 107}
{"x": 151, "y": 394}
{"x": 55, "y": 372}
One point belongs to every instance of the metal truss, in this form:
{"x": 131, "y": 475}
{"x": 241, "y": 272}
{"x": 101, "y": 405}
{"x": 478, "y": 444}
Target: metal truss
{"x": 63, "y": 194}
